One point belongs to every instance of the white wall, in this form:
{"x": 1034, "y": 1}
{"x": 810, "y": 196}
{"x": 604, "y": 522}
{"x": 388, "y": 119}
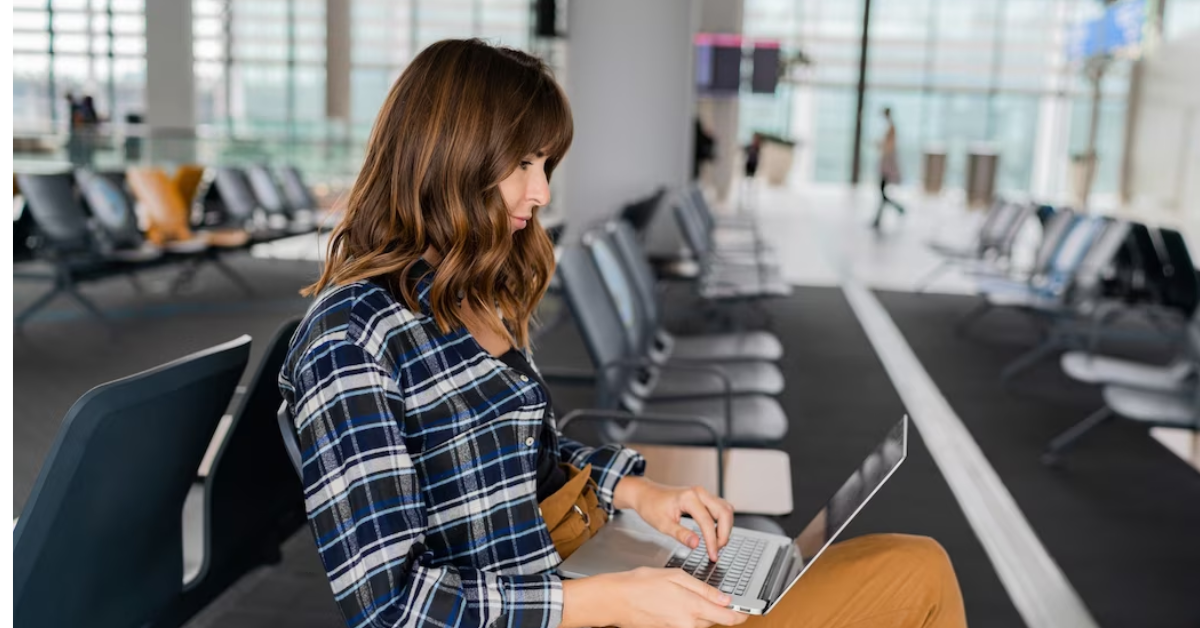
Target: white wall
{"x": 1166, "y": 144}
{"x": 629, "y": 78}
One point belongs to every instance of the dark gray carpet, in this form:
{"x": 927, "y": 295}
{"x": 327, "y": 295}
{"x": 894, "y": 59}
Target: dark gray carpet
{"x": 839, "y": 398}
{"x": 1122, "y": 516}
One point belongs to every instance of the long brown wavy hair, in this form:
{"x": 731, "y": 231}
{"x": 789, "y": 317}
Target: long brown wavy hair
{"x": 458, "y": 121}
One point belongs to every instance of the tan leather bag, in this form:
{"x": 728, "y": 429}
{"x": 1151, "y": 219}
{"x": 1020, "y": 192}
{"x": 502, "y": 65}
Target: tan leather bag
{"x": 573, "y": 514}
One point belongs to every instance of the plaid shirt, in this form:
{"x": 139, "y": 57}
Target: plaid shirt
{"x": 420, "y": 463}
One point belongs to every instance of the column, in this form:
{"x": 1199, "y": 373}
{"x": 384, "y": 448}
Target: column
{"x": 170, "y": 92}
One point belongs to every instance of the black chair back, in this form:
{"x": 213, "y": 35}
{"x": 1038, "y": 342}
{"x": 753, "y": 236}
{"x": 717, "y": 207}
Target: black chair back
{"x": 295, "y": 190}
{"x": 692, "y": 227}
{"x": 1181, "y": 285}
{"x": 638, "y": 335}
{"x": 57, "y": 210}
{"x": 99, "y": 543}
{"x": 640, "y": 213}
{"x": 111, "y": 208}
{"x": 267, "y": 191}
{"x": 633, "y": 255}
{"x": 602, "y": 328}
{"x": 236, "y": 194}
{"x": 253, "y": 499}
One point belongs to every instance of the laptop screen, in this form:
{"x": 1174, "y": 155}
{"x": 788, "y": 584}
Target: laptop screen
{"x": 846, "y": 502}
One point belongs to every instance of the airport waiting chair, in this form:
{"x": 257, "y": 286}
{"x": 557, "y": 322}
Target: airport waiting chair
{"x": 716, "y": 347}
{"x": 660, "y": 376}
{"x": 1178, "y": 375}
{"x": 640, "y": 213}
{"x": 250, "y": 501}
{"x": 1181, "y": 282}
{"x": 272, "y": 199}
{"x": 170, "y": 227}
{"x": 99, "y": 542}
{"x": 68, "y": 243}
{"x": 991, "y": 245}
{"x": 1178, "y": 409}
{"x": 732, "y": 235}
{"x": 753, "y": 420}
{"x": 723, "y": 280}
{"x": 118, "y": 236}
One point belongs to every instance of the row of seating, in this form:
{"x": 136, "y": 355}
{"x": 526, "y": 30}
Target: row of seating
{"x": 717, "y": 388}
{"x": 1088, "y": 272}
{"x": 101, "y": 540}
{"x": 93, "y": 226}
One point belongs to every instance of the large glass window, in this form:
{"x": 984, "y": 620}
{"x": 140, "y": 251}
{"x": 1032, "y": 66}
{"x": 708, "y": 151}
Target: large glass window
{"x": 91, "y": 48}
{"x": 260, "y": 66}
{"x": 988, "y": 74}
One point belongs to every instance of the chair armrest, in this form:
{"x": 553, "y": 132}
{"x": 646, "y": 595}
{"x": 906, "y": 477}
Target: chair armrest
{"x": 720, "y": 375}
{"x": 597, "y": 414}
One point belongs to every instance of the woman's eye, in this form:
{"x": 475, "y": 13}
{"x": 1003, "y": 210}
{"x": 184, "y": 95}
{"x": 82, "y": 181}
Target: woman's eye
{"x": 526, "y": 164}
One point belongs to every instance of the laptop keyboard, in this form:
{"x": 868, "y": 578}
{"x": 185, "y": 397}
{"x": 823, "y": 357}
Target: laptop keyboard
{"x": 734, "y": 567}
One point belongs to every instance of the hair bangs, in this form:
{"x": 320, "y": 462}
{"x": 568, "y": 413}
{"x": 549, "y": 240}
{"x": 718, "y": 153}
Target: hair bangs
{"x": 547, "y": 126}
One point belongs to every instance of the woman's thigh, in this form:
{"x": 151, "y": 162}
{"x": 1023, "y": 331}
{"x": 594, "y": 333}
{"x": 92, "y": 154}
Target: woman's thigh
{"x": 885, "y": 580}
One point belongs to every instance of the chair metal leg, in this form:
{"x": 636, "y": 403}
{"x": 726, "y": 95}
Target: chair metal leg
{"x": 978, "y": 312}
{"x": 1067, "y": 439}
{"x": 1031, "y": 358}
{"x": 929, "y": 277}
{"x": 136, "y": 283}
{"x": 42, "y": 302}
{"x": 87, "y": 304}
{"x": 185, "y": 277}
{"x": 233, "y": 276}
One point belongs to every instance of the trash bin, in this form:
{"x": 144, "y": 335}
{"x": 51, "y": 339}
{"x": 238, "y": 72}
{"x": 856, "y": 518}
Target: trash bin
{"x": 935, "y": 168}
{"x": 133, "y": 137}
{"x": 775, "y": 160}
{"x": 1083, "y": 172}
{"x": 982, "y": 162}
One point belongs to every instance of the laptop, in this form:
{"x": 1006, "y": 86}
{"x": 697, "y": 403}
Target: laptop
{"x": 756, "y": 569}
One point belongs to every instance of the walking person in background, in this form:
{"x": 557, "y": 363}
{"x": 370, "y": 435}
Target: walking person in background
{"x": 889, "y": 168}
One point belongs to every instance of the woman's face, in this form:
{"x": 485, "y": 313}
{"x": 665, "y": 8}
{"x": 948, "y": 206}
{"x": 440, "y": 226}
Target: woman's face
{"x": 525, "y": 189}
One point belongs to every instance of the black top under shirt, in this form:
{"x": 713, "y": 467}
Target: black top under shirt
{"x": 550, "y": 476}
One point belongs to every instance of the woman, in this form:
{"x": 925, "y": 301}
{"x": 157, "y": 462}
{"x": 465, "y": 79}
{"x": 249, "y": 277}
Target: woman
{"x": 438, "y": 489}
{"x": 889, "y": 168}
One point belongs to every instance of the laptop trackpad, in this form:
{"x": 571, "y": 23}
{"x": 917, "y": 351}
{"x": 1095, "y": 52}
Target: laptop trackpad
{"x": 624, "y": 543}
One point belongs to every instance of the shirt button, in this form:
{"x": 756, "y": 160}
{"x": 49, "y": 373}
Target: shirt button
{"x": 524, "y": 378}
{"x": 529, "y": 442}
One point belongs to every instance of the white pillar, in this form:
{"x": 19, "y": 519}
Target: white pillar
{"x": 630, "y": 81}
{"x": 170, "y": 80}
{"x": 337, "y": 60}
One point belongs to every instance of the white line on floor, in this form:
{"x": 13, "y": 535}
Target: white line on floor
{"x": 1038, "y": 588}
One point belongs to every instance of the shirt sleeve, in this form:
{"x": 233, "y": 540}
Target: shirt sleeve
{"x": 368, "y": 513}
{"x": 609, "y": 463}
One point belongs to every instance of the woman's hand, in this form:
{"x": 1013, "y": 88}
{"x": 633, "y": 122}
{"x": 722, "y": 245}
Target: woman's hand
{"x": 645, "y": 597}
{"x": 662, "y": 506}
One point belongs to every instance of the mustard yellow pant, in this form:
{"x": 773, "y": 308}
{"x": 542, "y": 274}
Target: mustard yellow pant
{"x": 880, "y": 580}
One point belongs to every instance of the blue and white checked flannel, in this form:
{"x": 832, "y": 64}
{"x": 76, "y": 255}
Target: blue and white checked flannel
{"x": 420, "y": 467}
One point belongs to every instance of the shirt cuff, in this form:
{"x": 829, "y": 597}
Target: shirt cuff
{"x": 624, "y": 461}
{"x": 534, "y": 601}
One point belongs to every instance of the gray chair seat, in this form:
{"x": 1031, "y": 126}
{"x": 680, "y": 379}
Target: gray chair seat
{"x": 185, "y": 247}
{"x": 757, "y": 420}
{"x": 762, "y": 378}
{"x": 144, "y": 253}
{"x": 1148, "y": 406}
{"x": 752, "y": 345}
{"x": 1098, "y": 369}
{"x": 749, "y": 287}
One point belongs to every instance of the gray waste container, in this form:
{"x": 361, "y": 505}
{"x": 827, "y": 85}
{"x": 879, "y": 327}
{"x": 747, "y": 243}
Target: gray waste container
{"x": 935, "y": 168}
{"x": 982, "y": 162}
